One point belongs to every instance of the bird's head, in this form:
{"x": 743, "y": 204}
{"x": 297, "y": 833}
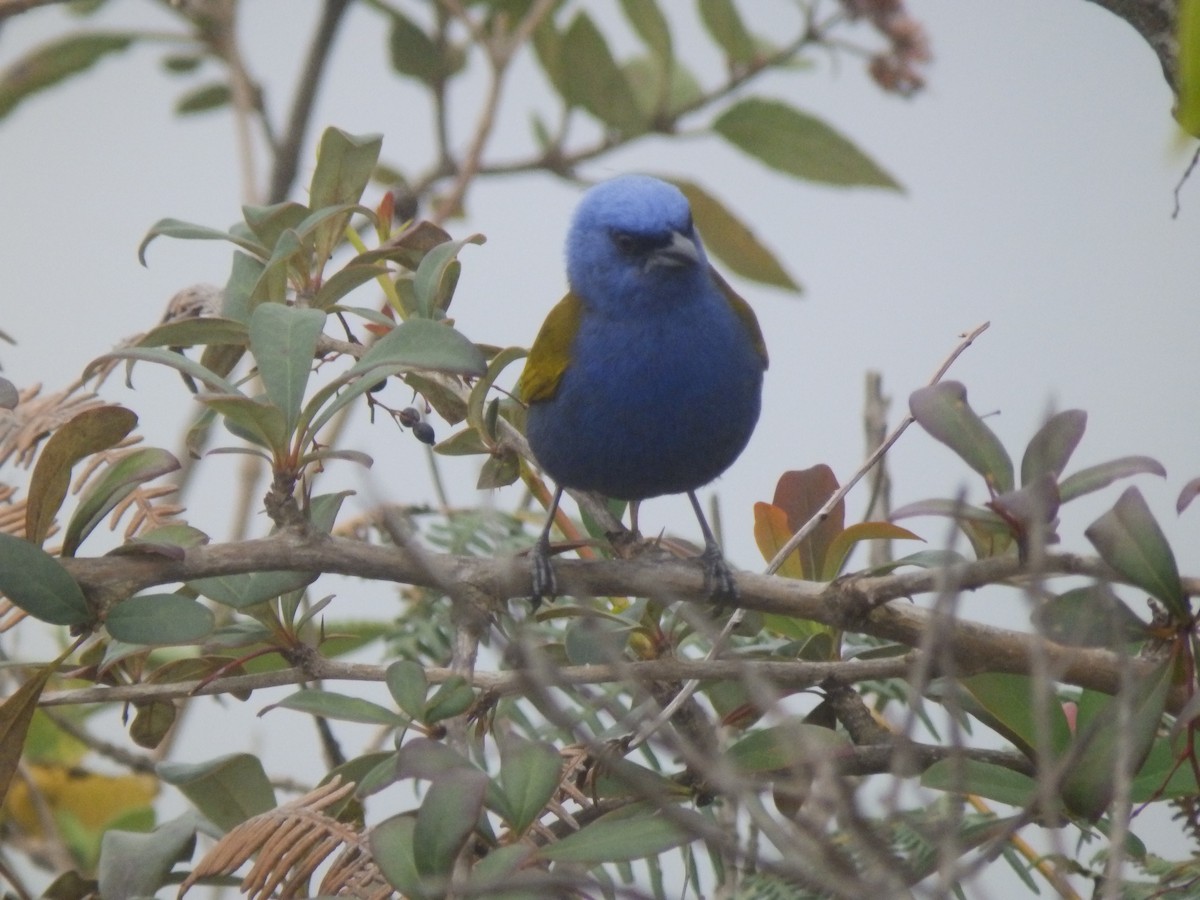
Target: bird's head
{"x": 630, "y": 236}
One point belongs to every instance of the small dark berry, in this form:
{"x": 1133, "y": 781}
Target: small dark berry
{"x": 423, "y": 432}
{"x": 409, "y": 417}
{"x": 377, "y": 387}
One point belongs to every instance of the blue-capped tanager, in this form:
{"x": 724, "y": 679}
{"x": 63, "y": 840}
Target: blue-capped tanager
{"x": 646, "y": 379}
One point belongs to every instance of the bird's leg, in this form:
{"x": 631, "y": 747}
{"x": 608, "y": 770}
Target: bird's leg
{"x": 544, "y": 582}
{"x": 634, "y": 506}
{"x": 718, "y": 577}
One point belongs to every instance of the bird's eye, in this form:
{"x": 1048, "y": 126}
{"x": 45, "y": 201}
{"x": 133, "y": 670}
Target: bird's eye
{"x": 626, "y": 242}
{"x": 632, "y": 244}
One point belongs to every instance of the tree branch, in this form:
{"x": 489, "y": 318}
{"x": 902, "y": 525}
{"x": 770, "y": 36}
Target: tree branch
{"x": 861, "y": 604}
{"x": 287, "y": 154}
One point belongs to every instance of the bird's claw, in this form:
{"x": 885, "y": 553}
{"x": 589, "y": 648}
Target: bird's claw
{"x": 718, "y": 577}
{"x": 545, "y": 584}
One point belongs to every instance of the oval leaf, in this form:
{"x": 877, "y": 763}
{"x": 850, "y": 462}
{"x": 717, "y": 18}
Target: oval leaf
{"x": 1050, "y": 449}
{"x": 407, "y": 684}
{"x": 942, "y": 410}
{"x": 1129, "y": 539}
{"x": 424, "y": 344}
{"x": 160, "y": 619}
{"x": 227, "y": 790}
{"x": 628, "y": 834}
{"x": 448, "y": 814}
{"x": 55, "y": 61}
{"x": 530, "y": 772}
{"x": 91, "y": 431}
{"x": 594, "y": 80}
{"x": 798, "y": 144}
{"x": 732, "y": 241}
{"x": 1093, "y": 478}
{"x": 392, "y": 848}
{"x": 35, "y": 581}
{"x": 343, "y": 707}
{"x": 283, "y": 341}
{"x": 114, "y": 485}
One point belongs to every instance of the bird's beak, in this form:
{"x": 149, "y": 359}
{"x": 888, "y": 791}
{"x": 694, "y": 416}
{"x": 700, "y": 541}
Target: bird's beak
{"x": 682, "y": 251}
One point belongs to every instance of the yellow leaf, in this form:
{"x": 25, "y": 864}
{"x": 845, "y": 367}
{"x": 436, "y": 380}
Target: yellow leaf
{"x": 771, "y": 532}
{"x": 92, "y": 799}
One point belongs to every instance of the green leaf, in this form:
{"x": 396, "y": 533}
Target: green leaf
{"x": 1089, "y": 616}
{"x": 1099, "y": 476}
{"x": 942, "y": 410}
{"x": 548, "y": 48}
{"x": 595, "y": 81}
{"x": 160, "y": 619}
{"x": 392, "y": 848}
{"x": 195, "y": 332}
{"x": 530, "y": 772}
{"x": 721, "y": 19}
{"x": 177, "y": 361}
{"x": 136, "y": 864}
{"x": 1007, "y": 704}
{"x": 1050, "y": 449}
{"x": 969, "y": 776}
{"x": 187, "y": 231}
{"x": 344, "y": 281}
{"x": 1187, "y": 78}
{"x": 798, "y": 144}
{"x": 437, "y": 276}
{"x": 652, "y": 27}
{"x": 35, "y": 581}
{"x": 499, "y": 471}
{"x": 413, "y": 52}
{"x": 661, "y": 98}
{"x": 244, "y": 591}
{"x": 448, "y": 814}
{"x": 244, "y": 274}
{"x": 466, "y": 442}
{"x": 732, "y": 241}
{"x": 454, "y": 697}
{"x": 1089, "y": 785}
{"x": 270, "y": 222}
{"x": 408, "y": 686}
{"x": 228, "y": 790}
{"x": 635, "y": 832}
{"x": 253, "y": 420}
{"x": 782, "y": 747}
{"x": 205, "y": 98}
{"x": 1129, "y": 539}
{"x": 56, "y": 61}
{"x": 344, "y": 166}
{"x": 283, "y": 341}
{"x": 343, "y": 707}
{"x": 424, "y": 344}
{"x": 91, "y": 431}
{"x": 16, "y": 714}
{"x": 117, "y": 482}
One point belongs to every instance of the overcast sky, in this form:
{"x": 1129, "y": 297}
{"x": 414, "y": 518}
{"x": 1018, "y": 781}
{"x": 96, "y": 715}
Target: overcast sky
{"x": 1038, "y": 169}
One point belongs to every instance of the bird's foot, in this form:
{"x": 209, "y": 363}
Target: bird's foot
{"x": 718, "y": 577}
{"x": 545, "y": 584}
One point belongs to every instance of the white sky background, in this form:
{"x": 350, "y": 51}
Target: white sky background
{"x": 1038, "y": 165}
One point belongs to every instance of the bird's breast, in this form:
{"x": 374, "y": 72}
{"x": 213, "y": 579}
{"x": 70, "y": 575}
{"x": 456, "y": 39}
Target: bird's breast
{"x": 651, "y": 403}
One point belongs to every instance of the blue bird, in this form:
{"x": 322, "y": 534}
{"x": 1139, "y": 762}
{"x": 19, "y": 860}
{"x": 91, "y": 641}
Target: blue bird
{"x": 646, "y": 379}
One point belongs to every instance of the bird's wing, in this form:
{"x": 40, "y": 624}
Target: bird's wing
{"x": 744, "y": 312}
{"x": 551, "y": 351}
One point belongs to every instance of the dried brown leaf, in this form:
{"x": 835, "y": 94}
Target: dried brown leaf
{"x": 22, "y": 429}
{"x": 288, "y": 843}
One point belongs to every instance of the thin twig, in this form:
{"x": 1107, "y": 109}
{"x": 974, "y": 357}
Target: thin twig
{"x": 287, "y": 154}
{"x": 840, "y": 494}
